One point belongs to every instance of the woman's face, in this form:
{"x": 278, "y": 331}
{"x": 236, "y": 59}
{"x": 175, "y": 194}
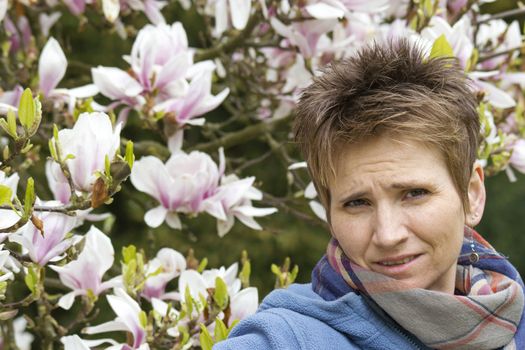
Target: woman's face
{"x": 395, "y": 210}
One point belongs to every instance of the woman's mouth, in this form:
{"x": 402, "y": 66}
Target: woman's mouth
{"x": 396, "y": 266}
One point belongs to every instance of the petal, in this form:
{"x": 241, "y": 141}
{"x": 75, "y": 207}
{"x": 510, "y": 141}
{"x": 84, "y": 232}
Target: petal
{"x": 324, "y": 11}
{"x": 66, "y": 301}
{"x": 115, "y": 83}
{"x": 173, "y": 221}
{"x": 174, "y": 69}
{"x": 195, "y": 282}
{"x": 240, "y": 12}
{"x": 223, "y": 227}
{"x": 109, "y": 326}
{"x": 111, "y": 9}
{"x": 318, "y": 210}
{"x": 497, "y": 97}
{"x": 310, "y": 191}
{"x": 248, "y": 210}
{"x": 149, "y": 175}
{"x": 51, "y": 66}
{"x": 156, "y": 216}
{"x": 244, "y": 304}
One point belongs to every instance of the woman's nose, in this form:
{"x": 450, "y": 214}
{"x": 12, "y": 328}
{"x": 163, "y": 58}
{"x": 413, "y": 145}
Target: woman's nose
{"x": 388, "y": 228}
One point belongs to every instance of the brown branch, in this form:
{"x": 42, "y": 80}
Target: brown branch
{"x": 505, "y": 14}
{"x": 501, "y": 53}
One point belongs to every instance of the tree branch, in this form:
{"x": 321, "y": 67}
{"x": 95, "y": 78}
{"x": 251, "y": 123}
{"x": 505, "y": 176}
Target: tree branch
{"x": 505, "y": 14}
{"x": 241, "y": 136}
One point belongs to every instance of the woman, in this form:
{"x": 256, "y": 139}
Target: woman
{"x": 390, "y": 138}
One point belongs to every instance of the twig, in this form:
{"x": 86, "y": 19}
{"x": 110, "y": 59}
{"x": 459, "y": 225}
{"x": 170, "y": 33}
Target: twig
{"x": 501, "y": 53}
{"x": 241, "y": 136}
{"x": 505, "y": 14}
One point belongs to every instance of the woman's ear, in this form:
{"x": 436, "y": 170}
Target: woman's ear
{"x": 476, "y": 196}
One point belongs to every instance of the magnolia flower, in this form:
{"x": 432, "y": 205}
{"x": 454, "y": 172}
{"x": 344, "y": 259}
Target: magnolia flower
{"x": 5, "y": 272}
{"x": 45, "y": 245}
{"x": 197, "y": 100}
{"x": 167, "y": 265}
{"x": 128, "y": 319}
{"x": 48, "y": 21}
{"x": 19, "y": 34}
{"x": 236, "y": 198}
{"x": 242, "y": 302}
{"x": 83, "y": 275}
{"x": 331, "y": 9}
{"x": 90, "y": 141}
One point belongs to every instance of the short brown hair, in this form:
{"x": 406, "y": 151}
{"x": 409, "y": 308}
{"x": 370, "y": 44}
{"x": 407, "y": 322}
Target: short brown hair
{"x": 389, "y": 88}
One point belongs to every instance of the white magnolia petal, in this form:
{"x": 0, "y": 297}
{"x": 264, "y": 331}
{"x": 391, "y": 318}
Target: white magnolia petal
{"x": 322, "y": 10}
{"x": 244, "y": 304}
{"x": 224, "y": 226}
{"x": 66, "y": 301}
{"x": 248, "y": 210}
{"x": 318, "y": 210}
{"x": 84, "y": 91}
{"x": 298, "y": 165}
{"x": 310, "y": 191}
{"x": 73, "y": 342}
{"x": 110, "y": 326}
{"x": 111, "y": 9}
{"x": 156, "y": 216}
{"x": 240, "y": 12}
{"x": 248, "y": 221}
{"x": 194, "y": 281}
{"x": 173, "y": 221}
{"x": 497, "y": 97}
{"x": 115, "y": 83}
{"x": 51, "y": 66}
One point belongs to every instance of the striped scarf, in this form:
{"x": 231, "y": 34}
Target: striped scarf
{"x": 485, "y": 313}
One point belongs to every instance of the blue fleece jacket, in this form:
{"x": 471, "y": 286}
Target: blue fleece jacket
{"x": 298, "y": 318}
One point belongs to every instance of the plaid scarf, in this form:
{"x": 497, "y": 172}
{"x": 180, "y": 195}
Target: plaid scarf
{"x": 485, "y": 313}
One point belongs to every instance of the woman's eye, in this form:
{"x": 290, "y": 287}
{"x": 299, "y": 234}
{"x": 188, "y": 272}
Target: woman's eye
{"x": 416, "y": 193}
{"x": 356, "y": 203}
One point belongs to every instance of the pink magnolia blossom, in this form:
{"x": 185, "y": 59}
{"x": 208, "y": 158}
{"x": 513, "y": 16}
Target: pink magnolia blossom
{"x": 85, "y": 274}
{"x": 170, "y": 263}
{"x": 91, "y": 139}
{"x": 51, "y": 66}
{"x": 193, "y": 183}
{"x": 19, "y": 33}
{"x": 45, "y": 246}
{"x": 127, "y": 320}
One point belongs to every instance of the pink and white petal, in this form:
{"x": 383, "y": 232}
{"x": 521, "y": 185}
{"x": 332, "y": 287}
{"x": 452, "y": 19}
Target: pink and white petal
{"x": 152, "y": 10}
{"x": 149, "y": 175}
{"x": 214, "y": 207}
{"x": 248, "y": 210}
{"x": 115, "y": 282}
{"x": 497, "y": 97}
{"x": 244, "y": 304}
{"x": 240, "y": 12}
{"x": 67, "y": 300}
{"x": 51, "y": 66}
{"x": 110, "y": 326}
{"x": 174, "y": 69}
{"x": 175, "y": 141}
{"x": 115, "y": 83}
{"x": 195, "y": 121}
{"x": 84, "y": 91}
{"x": 194, "y": 281}
{"x": 173, "y": 221}
{"x": 322, "y": 10}
{"x": 47, "y": 21}
{"x": 223, "y": 227}
{"x": 248, "y": 221}
{"x": 156, "y": 216}
{"x": 211, "y": 102}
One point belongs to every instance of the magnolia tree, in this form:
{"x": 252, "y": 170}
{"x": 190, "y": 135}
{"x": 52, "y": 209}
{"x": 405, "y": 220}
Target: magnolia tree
{"x": 251, "y": 61}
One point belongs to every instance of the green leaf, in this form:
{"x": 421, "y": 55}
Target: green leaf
{"x": 107, "y": 166}
{"x": 26, "y": 109}
{"x": 29, "y": 197}
{"x": 38, "y": 118}
{"x": 221, "y": 331}
{"x": 441, "y": 48}
{"x": 143, "y": 319}
{"x": 189, "y": 301}
{"x": 52, "y": 150}
{"x": 129, "y": 157}
{"x": 11, "y": 122}
{"x": 5, "y": 194}
{"x": 128, "y": 253}
{"x": 202, "y": 265}
{"x": 31, "y": 279}
{"x": 276, "y": 270}
{"x": 205, "y": 338}
{"x": 220, "y": 295}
